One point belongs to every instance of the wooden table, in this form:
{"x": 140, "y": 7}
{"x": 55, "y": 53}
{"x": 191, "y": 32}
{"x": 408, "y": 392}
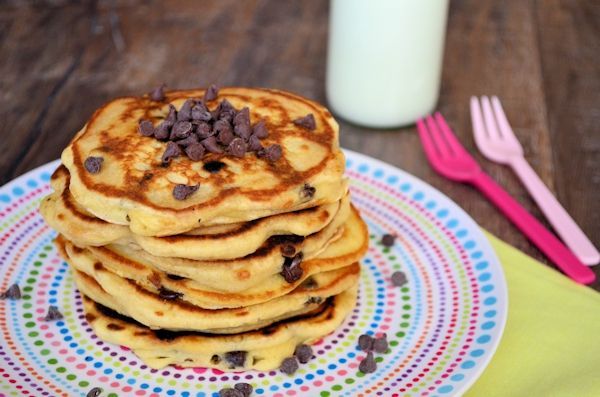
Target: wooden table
{"x": 61, "y": 61}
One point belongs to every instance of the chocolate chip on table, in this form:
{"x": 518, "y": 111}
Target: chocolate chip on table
{"x": 211, "y": 93}
{"x": 380, "y": 345}
{"x": 237, "y": 147}
{"x": 229, "y": 392}
{"x": 93, "y": 164}
{"x": 195, "y": 151}
{"x": 260, "y": 130}
{"x": 254, "y": 144}
{"x": 368, "y": 364}
{"x": 303, "y": 353}
{"x": 236, "y": 358}
{"x": 288, "y": 250}
{"x": 289, "y": 365}
{"x": 146, "y": 128}
{"x": 168, "y": 295}
{"x": 211, "y": 145}
{"x": 245, "y": 388}
{"x": 158, "y": 94}
{"x": 53, "y": 314}
{"x": 307, "y": 191}
{"x": 365, "y": 342}
{"x": 185, "y": 111}
{"x": 272, "y": 153}
{"x": 95, "y": 392}
{"x": 387, "y": 240}
{"x": 182, "y": 192}
{"x": 307, "y": 122}
{"x": 13, "y": 293}
{"x": 398, "y": 279}
{"x": 173, "y": 150}
{"x": 291, "y": 269}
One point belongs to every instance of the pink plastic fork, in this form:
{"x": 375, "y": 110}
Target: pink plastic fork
{"x": 449, "y": 159}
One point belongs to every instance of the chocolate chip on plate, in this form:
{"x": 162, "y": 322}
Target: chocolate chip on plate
{"x": 53, "y": 314}
{"x": 289, "y": 365}
{"x": 307, "y": 122}
{"x": 380, "y": 345}
{"x": 211, "y": 93}
{"x": 245, "y": 388}
{"x": 307, "y": 191}
{"x": 387, "y": 240}
{"x": 237, "y": 147}
{"x": 95, "y": 392}
{"x": 260, "y": 130}
{"x": 236, "y": 358}
{"x": 229, "y": 392}
{"x": 365, "y": 343}
{"x": 368, "y": 364}
{"x": 303, "y": 353}
{"x": 93, "y": 164}
{"x": 291, "y": 269}
{"x": 173, "y": 150}
{"x": 211, "y": 145}
{"x": 158, "y": 94}
{"x": 168, "y": 295}
{"x": 13, "y": 293}
{"x": 272, "y": 153}
{"x": 182, "y": 192}
{"x": 399, "y": 279}
{"x": 195, "y": 151}
{"x": 146, "y": 128}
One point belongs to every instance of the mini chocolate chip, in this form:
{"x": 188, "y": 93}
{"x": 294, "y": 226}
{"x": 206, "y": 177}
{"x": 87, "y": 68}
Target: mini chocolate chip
{"x": 224, "y": 110}
{"x": 307, "y": 191}
{"x": 190, "y": 140}
{"x": 158, "y": 94}
{"x": 211, "y": 145}
{"x": 365, "y": 342}
{"x": 146, "y": 128}
{"x": 237, "y": 147}
{"x": 204, "y": 130}
{"x": 13, "y": 292}
{"x": 181, "y": 129}
{"x": 96, "y": 391}
{"x": 272, "y": 153}
{"x": 380, "y": 345}
{"x": 229, "y": 392}
{"x": 260, "y": 130}
{"x": 185, "y": 112}
{"x": 243, "y": 131}
{"x": 368, "y": 364}
{"x": 254, "y": 144}
{"x": 289, "y": 365}
{"x": 303, "y": 353}
{"x": 214, "y": 166}
{"x": 215, "y": 359}
{"x": 200, "y": 112}
{"x": 53, "y": 314}
{"x": 388, "y": 240}
{"x": 182, "y": 192}
{"x": 93, "y": 164}
{"x": 195, "y": 151}
{"x": 242, "y": 117}
{"x": 245, "y": 388}
{"x": 168, "y": 295}
{"x": 310, "y": 283}
{"x": 236, "y": 358}
{"x": 314, "y": 300}
{"x": 162, "y": 131}
{"x": 173, "y": 150}
{"x": 211, "y": 93}
{"x": 291, "y": 269}
{"x": 171, "y": 116}
{"x": 307, "y": 122}
{"x": 223, "y": 129}
{"x": 288, "y": 250}
{"x": 398, "y": 279}
{"x": 175, "y": 277}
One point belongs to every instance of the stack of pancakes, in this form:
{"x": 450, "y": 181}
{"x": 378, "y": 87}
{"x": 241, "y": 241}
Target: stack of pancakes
{"x": 261, "y": 257}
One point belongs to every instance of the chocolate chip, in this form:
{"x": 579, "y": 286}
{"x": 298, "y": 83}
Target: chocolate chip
{"x": 229, "y": 392}
{"x": 173, "y": 150}
{"x": 241, "y": 123}
{"x": 380, "y": 345}
{"x": 96, "y": 391}
{"x": 314, "y": 300}
{"x": 388, "y": 240}
{"x": 93, "y": 164}
{"x": 260, "y": 130}
{"x": 272, "y": 153}
{"x": 307, "y": 192}
{"x": 185, "y": 112}
{"x": 237, "y": 147}
{"x": 13, "y": 293}
{"x": 223, "y": 130}
{"x": 211, "y": 93}
{"x": 175, "y": 277}
{"x": 158, "y": 94}
{"x": 190, "y": 140}
{"x": 53, "y": 314}
{"x": 195, "y": 151}
{"x": 162, "y": 131}
{"x": 303, "y": 353}
{"x": 200, "y": 112}
{"x": 225, "y": 111}
{"x": 214, "y": 166}
{"x": 204, "y": 130}
{"x": 171, "y": 116}
{"x": 368, "y": 364}
{"x": 365, "y": 342}
{"x": 182, "y": 192}
{"x": 215, "y": 359}
{"x": 289, "y": 365}
{"x": 211, "y": 145}
{"x": 236, "y": 358}
{"x": 181, "y": 129}
{"x": 168, "y": 295}
{"x": 291, "y": 269}
{"x": 245, "y": 388}
{"x": 254, "y": 144}
{"x": 307, "y": 122}
{"x": 288, "y": 250}
{"x": 146, "y": 128}
{"x": 399, "y": 279}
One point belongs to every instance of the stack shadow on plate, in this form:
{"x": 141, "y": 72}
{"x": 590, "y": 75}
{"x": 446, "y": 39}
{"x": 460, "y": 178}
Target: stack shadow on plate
{"x": 258, "y": 256}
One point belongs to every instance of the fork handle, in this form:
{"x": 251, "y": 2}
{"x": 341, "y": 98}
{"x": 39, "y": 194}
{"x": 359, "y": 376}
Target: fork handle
{"x": 561, "y": 221}
{"x": 533, "y": 230}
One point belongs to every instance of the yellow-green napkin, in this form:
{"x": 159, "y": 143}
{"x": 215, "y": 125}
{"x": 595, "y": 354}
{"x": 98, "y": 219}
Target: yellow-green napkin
{"x": 551, "y": 343}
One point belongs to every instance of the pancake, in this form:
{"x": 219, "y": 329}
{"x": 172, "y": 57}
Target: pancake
{"x": 264, "y": 349}
{"x": 69, "y": 218}
{"x": 134, "y": 189}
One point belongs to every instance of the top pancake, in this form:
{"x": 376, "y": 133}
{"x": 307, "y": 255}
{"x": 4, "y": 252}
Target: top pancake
{"x": 134, "y": 189}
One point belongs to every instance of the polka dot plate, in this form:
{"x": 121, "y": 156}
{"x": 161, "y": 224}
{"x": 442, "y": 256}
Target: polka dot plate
{"x": 443, "y": 325}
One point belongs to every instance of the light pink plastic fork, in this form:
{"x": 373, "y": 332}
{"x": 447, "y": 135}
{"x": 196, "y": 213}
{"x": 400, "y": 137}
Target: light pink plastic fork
{"x": 448, "y": 158}
{"x": 497, "y": 141}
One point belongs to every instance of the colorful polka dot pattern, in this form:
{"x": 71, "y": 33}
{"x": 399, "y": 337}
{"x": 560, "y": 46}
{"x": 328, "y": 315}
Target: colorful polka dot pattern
{"x": 443, "y": 325}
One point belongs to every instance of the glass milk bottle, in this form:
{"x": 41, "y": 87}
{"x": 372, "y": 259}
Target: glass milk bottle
{"x": 384, "y": 59}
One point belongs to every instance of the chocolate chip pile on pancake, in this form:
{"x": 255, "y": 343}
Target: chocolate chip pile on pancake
{"x": 209, "y": 227}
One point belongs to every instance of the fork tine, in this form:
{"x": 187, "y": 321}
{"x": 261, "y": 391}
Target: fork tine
{"x": 429, "y": 145}
{"x": 477, "y": 122}
{"x": 443, "y": 148}
{"x": 489, "y": 119}
{"x": 507, "y": 133}
{"x": 451, "y": 139}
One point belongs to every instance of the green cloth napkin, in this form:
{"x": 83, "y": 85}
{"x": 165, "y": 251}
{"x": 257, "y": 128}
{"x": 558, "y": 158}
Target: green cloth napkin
{"x": 551, "y": 343}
